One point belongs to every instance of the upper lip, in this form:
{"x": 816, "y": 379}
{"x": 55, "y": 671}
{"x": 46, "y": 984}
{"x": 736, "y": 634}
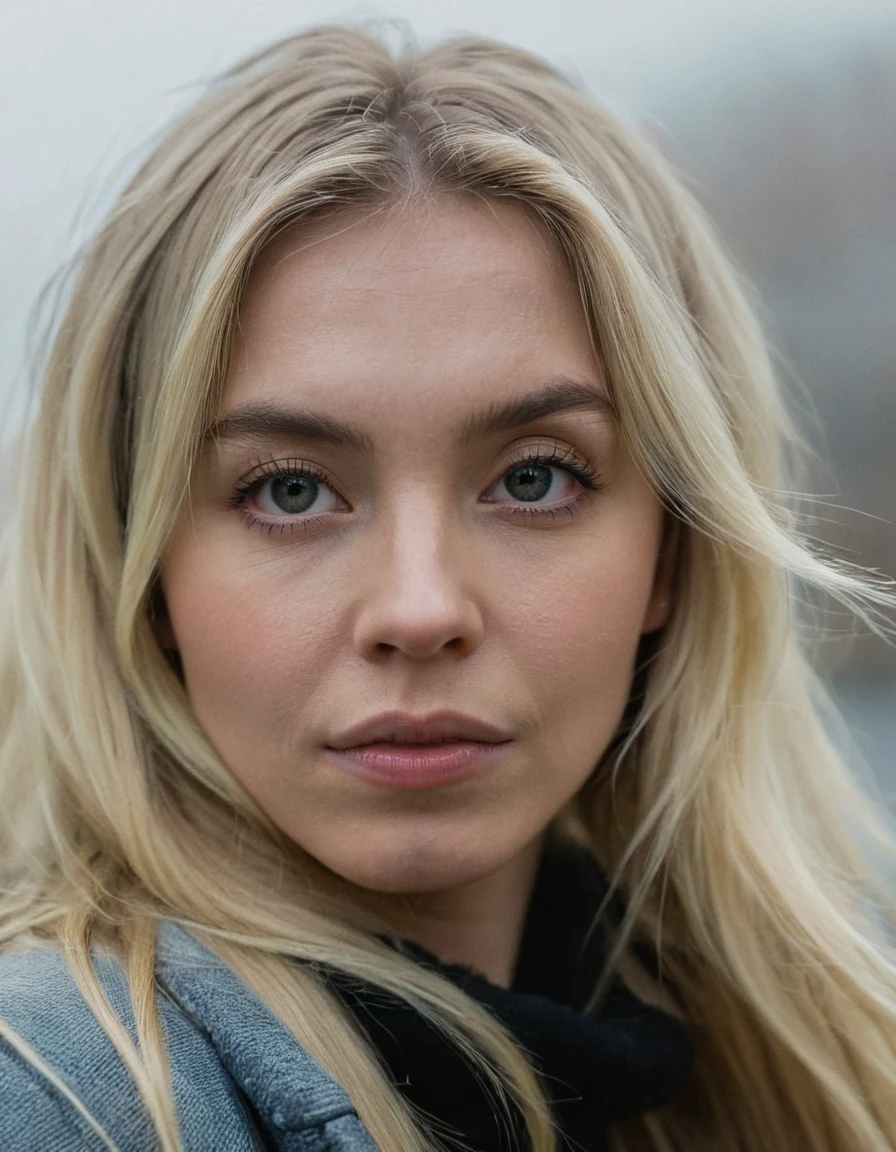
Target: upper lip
{"x": 403, "y": 728}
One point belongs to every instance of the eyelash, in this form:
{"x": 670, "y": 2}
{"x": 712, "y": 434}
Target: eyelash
{"x": 586, "y": 475}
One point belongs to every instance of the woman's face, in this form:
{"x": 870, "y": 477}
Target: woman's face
{"x": 415, "y": 500}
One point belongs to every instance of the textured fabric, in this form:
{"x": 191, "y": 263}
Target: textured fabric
{"x": 41, "y": 1002}
{"x": 296, "y": 1100}
{"x": 231, "y": 1060}
{"x": 623, "y": 1059}
{"x": 242, "y": 1081}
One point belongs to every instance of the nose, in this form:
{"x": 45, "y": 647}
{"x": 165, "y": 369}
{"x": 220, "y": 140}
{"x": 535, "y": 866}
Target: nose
{"x": 418, "y": 589}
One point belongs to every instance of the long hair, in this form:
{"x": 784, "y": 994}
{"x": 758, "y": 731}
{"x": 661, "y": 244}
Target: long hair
{"x": 734, "y": 835}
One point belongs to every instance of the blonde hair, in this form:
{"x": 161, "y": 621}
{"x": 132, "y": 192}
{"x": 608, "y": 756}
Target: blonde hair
{"x": 723, "y": 814}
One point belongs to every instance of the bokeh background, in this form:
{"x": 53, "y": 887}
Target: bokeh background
{"x": 782, "y": 115}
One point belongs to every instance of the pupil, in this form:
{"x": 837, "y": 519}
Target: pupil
{"x": 293, "y": 493}
{"x": 531, "y": 481}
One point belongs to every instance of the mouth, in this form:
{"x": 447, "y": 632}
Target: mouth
{"x": 414, "y": 766}
{"x": 401, "y": 730}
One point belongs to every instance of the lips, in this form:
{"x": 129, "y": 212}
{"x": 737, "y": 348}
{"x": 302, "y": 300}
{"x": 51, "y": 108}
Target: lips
{"x": 435, "y": 728}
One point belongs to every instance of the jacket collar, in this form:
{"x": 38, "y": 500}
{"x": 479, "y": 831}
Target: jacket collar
{"x": 622, "y": 1060}
{"x": 290, "y": 1092}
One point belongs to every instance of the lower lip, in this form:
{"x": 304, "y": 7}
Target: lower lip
{"x": 419, "y": 765}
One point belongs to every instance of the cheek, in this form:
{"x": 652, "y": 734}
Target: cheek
{"x": 591, "y": 604}
{"x": 252, "y": 640}
{"x": 578, "y": 634}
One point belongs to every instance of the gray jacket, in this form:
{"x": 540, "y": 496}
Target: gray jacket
{"x": 233, "y": 1063}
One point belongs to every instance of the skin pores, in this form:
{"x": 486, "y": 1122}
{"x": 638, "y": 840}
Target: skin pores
{"x": 422, "y": 570}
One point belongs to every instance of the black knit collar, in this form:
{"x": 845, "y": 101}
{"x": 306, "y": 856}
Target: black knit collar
{"x": 624, "y": 1059}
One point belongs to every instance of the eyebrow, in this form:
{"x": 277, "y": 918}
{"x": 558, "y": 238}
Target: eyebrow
{"x": 262, "y": 420}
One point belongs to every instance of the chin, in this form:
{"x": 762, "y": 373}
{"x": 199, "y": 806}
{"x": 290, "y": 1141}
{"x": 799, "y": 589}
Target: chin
{"x": 402, "y": 866}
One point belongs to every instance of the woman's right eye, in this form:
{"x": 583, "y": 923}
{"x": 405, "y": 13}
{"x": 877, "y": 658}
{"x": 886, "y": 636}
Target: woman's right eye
{"x": 282, "y": 497}
{"x": 293, "y": 494}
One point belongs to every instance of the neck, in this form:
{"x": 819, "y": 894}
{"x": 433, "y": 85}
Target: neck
{"x": 479, "y": 924}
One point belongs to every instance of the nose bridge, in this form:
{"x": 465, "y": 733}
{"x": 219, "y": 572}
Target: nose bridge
{"x": 420, "y": 526}
{"x": 419, "y": 540}
{"x": 418, "y": 595}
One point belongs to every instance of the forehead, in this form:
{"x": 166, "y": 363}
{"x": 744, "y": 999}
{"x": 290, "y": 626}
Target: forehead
{"x": 449, "y": 235}
{"x": 438, "y": 303}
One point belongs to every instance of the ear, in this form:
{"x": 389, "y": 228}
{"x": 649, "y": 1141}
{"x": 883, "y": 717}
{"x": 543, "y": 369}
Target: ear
{"x": 659, "y": 606}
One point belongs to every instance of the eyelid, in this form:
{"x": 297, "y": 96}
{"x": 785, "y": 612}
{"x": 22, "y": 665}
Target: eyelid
{"x": 550, "y": 450}
{"x": 263, "y": 469}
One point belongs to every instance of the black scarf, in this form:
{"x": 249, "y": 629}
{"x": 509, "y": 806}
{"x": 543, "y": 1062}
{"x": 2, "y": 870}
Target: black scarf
{"x": 624, "y": 1059}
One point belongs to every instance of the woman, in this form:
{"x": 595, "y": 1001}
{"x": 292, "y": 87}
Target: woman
{"x": 409, "y": 738}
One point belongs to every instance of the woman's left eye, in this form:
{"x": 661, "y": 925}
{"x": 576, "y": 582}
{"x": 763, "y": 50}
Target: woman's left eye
{"x": 536, "y": 477}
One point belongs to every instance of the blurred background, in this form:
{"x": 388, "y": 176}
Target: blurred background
{"x": 781, "y": 114}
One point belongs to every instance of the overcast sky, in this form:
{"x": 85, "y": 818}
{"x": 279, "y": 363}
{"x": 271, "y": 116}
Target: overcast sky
{"x": 84, "y": 83}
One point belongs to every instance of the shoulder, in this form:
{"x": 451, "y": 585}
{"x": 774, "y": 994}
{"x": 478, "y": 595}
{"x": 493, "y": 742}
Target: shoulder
{"x": 43, "y": 1014}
